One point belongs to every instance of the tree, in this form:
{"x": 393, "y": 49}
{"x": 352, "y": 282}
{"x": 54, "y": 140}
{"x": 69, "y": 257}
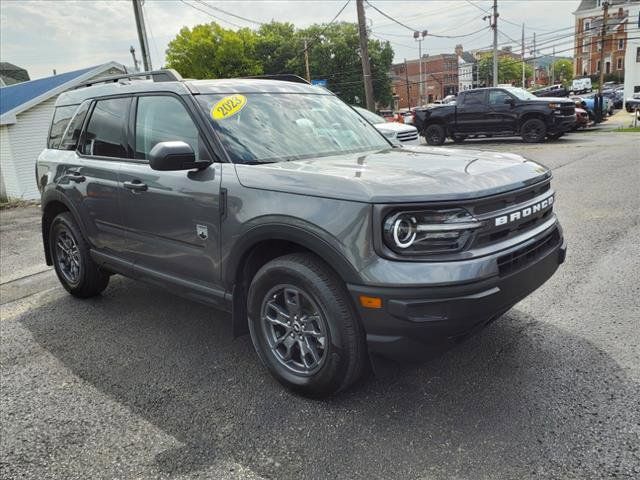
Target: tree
{"x": 509, "y": 69}
{"x": 563, "y": 70}
{"x": 210, "y": 51}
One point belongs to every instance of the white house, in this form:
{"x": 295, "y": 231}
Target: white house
{"x": 465, "y": 72}
{"x": 632, "y": 55}
{"x": 26, "y": 110}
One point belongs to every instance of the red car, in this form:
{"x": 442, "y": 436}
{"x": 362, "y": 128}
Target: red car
{"x": 582, "y": 118}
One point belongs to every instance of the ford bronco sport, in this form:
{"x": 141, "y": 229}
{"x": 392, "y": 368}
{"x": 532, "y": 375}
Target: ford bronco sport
{"x": 274, "y": 200}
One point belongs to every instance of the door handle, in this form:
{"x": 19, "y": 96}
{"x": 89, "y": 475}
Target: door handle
{"x": 75, "y": 176}
{"x": 136, "y": 186}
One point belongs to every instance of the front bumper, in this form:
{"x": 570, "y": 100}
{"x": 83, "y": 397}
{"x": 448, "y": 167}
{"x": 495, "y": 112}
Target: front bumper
{"x": 414, "y": 320}
{"x": 561, "y": 123}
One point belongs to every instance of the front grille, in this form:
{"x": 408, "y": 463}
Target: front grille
{"x": 511, "y": 200}
{"x": 568, "y": 110}
{"x": 525, "y": 256}
{"x": 407, "y": 136}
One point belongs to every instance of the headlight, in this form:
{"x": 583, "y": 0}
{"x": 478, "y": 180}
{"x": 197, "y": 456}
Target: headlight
{"x": 427, "y": 232}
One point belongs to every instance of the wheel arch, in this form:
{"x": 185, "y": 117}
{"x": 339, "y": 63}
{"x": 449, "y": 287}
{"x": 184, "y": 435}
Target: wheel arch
{"x": 266, "y": 242}
{"x": 529, "y": 116}
{"x": 52, "y": 204}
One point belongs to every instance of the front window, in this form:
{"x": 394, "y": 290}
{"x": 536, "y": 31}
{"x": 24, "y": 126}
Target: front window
{"x": 498, "y": 97}
{"x": 274, "y": 127}
{"x": 520, "y": 93}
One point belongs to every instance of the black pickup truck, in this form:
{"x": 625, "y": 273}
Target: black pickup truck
{"x": 494, "y": 112}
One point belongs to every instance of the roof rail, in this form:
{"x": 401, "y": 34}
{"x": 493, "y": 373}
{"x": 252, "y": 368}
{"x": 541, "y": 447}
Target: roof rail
{"x": 283, "y": 77}
{"x": 165, "y": 75}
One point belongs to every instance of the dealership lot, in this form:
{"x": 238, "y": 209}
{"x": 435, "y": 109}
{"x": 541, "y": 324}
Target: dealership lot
{"x": 138, "y": 383}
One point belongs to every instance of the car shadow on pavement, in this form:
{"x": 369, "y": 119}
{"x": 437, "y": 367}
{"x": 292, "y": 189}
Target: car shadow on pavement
{"x": 523, "y": 397}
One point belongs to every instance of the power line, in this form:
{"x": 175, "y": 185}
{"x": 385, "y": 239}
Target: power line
{"x": 211, "y": 14}
{"x": 315, "y": 40}
{"x": 257, "y": 22}
{"x": 391, "y": 18}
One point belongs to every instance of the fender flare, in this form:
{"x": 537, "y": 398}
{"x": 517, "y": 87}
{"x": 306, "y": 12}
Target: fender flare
{"x": 54, "y": 195}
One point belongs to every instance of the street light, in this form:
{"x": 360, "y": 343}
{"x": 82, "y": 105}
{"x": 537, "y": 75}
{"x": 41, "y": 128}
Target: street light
{"x": 419, "y": 37}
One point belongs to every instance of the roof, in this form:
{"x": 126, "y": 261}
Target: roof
{"x": 17, "y": 98}
{"x": 592, "y": 4}
{"x": 468, "y": 57}
{"x": 219, "y": 86}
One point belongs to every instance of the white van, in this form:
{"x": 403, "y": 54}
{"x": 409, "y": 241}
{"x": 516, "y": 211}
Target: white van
{"x": 581, "y": 85}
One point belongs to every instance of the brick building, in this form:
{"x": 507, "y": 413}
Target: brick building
{"x": 588, "y": 38}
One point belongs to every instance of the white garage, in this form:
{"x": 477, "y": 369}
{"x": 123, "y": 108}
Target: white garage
{"x": 26, "y": 110}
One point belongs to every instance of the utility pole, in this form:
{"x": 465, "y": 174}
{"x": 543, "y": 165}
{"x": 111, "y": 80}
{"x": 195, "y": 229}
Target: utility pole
{"x": 406, "y": 78}
{"x": 419, "y": 37}
{"x": 306, "y": 60}
{"x": 553, "y": 66}
{"x": 534, "y": 58}
{"x": 524, "y": 80}
{"x": 142, "y": 34}
{"x": 605, "y": 15}
{"x": 495, "y": 42}
{"x": 136, "y": 62}
{"x": 364, "y": 54}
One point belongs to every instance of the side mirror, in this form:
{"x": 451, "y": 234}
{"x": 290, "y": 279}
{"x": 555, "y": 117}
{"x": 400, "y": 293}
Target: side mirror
{"x": 176, "y": 155}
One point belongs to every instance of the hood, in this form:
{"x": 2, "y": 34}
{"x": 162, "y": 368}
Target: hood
{"x": 563, "y": 100}
{"x": 407, "y": 174}
{"x": 394, "y": 127}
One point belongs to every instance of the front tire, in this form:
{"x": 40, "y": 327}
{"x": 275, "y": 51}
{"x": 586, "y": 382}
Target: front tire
{"x": 435, "y": 135}
{"x": 533, "y": 130}
{"x": 303, "y": 326}
{"x": 70, "y": 252}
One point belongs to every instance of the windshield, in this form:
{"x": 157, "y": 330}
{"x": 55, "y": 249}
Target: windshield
{"x": 520, "y": 93}
{"x": 274, "y": 127}
{"x": 370, "y": 116}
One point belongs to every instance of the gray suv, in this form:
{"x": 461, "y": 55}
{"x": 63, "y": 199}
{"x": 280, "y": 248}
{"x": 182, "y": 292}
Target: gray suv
{"x": 276, "y": 201}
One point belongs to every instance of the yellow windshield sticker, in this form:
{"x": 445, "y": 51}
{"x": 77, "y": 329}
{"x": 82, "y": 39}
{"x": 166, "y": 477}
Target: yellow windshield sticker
{"x": 228, "y": 107}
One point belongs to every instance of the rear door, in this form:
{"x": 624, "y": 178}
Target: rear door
{"x": 471, "y": 112}
{"x": 502, "y": 116}
{"x": 91, "y": 177}
{"x": 172, "y": 218}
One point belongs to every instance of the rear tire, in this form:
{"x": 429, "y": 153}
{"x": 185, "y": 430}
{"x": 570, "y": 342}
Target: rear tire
{"x": 304, "y": 327}
{"x": 71, "y": 257}
{"x": 435, "y": 135}
{"x": 533, "y": 130}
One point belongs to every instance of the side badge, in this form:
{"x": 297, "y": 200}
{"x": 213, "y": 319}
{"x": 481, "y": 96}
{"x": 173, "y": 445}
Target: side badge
{"x": 202, "y": 231}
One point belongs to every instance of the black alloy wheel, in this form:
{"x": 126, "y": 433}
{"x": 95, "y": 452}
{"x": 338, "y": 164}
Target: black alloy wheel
{"x": 533, "y": 131}
{"x": 67, "y": 255}
{"x": 435, "y": 135}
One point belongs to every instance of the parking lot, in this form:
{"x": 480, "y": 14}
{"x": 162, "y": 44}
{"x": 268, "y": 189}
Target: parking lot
{"x": 138, "y": 383}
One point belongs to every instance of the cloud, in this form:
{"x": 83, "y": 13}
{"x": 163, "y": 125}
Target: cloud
{"x": 65, "y": 35}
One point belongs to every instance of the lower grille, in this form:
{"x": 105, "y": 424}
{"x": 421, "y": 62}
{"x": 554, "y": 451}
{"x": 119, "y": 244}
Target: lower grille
{"x": 525, "y": 256}
{"x": 407, "y": 136}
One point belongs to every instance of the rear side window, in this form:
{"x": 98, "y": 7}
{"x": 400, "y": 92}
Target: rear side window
{"x": 474, "y": 98}
{"x": 165, "y": 119}
{"x": 61, "y": 118}
{"x": 498, "y": 97}
{"x": 105, "y": 135}
{"x": 72, "y": 134}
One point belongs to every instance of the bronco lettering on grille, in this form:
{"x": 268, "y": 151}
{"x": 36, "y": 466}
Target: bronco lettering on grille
{"x": 525, "y": 212}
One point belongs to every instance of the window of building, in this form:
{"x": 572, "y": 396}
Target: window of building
{"x": 587, "y": 25}
{"x": 638, "y": 55}
{"x": 72, "y": 135}
{"x": 598, "y": 67}
{"x": 165, "y": 119}
{"x": 619, "y": 63}
{"x": 106, "y": 132}
{"x": 621, "y": 44}
{"x": 59, "y": 124}
{"x": 586, "y": 44}
{"x": 599, "y": 3}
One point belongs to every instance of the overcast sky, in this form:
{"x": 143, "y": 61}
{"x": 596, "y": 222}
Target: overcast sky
{"x": 66, "y": 35}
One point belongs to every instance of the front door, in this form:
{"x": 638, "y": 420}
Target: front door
{"x": 172, "y": 218}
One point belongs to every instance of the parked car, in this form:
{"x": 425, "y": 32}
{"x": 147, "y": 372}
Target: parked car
{"x": 581, "y": 85}
{"x": 582, "y": 118}
{"x": 551, "y": 91}
{"x": 633, "y": 103}
{"x": 590, "y": 105}
{"x": 277, "y": 202}
{"x": 497, "y": 111}
{"x": 394, "y": 131}
{"x": 387, "y": 115}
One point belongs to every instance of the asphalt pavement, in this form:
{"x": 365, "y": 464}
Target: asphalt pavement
{"x": 138, "y": 383}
